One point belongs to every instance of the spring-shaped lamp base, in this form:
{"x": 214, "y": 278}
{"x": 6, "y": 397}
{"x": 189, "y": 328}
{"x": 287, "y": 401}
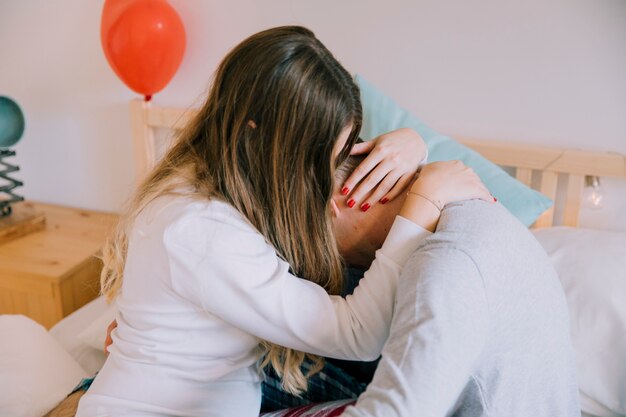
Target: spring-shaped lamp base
{"x": 8, "y": 184}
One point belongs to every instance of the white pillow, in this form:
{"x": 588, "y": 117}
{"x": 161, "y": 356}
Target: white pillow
{"x": 95, "y": 334}
{"x": 35, "y": 372}
{"x": 592, "y": 268}
{"x": 67, "y": 330}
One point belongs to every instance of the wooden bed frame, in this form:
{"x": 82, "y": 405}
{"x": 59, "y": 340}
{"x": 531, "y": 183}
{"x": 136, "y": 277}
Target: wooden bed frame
{"x": 538, "y": 167}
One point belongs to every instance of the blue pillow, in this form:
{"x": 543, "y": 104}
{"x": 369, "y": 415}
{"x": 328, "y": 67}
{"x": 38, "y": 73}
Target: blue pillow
{"x": 381, "y": 114}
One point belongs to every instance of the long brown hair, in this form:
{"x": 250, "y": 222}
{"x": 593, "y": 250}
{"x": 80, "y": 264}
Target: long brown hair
{"x": 263, "y": 142}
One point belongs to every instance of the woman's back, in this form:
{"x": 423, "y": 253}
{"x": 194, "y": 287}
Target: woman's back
{"x": 168, "y": 351}
{"x": 202, "y": 288}
{"x": 280, "y": 113}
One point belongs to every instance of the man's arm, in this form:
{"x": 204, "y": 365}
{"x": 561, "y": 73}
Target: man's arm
{"x": 437, "y": 333}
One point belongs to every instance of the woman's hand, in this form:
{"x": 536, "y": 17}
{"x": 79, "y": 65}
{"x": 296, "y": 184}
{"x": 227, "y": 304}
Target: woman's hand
{"x": 440, "y": 183}
{"x": 108, "y": 341}
{"x": 450, "y": 181}
{"x": 393, "y": 160}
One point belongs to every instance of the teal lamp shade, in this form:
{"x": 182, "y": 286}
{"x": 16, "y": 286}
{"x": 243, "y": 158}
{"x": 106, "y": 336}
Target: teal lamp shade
{"x": 11, "y": 122}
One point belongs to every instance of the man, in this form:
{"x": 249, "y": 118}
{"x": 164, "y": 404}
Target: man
{"x": 480, "y": 325}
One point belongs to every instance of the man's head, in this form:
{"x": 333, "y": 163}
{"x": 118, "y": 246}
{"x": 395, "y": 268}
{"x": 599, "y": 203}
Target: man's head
{"x": 360, "y": 234}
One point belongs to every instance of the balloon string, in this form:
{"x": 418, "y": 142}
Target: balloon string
{"x": 148, "y": 97}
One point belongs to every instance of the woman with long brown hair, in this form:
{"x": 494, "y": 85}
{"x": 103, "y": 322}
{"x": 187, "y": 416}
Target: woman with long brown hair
{"x": 204, "y": 266}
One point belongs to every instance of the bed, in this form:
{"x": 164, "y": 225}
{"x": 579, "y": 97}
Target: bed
{"x": 542, "y": 168}
{"x": 545, "y": 169}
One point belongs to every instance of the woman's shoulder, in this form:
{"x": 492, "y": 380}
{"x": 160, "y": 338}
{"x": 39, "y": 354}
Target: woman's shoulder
{"x": 195, "y": 222}
{"x": 173, "y": 210}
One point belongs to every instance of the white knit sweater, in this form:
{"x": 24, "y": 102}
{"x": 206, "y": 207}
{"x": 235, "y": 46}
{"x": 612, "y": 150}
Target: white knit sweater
{"x": 201, "y": 288}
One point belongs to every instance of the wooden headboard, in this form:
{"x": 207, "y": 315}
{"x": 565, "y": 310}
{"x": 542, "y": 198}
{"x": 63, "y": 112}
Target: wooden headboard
{"x": 535, "y": 166}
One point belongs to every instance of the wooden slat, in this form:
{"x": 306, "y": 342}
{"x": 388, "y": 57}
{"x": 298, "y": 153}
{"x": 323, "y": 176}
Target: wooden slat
{"x": 524, "y": 175}
{"x": 169, "y": 118}
{"x": 573, "y": 199}
{"x": 545, "y": 220}
{"x": 514, "y": 155}
{"x": 557, "y": 160}
{"x": 591, "y": 163}
{"x": 143, "y": 138}
{"x": 525, "y": 158}
{"x": 549, "y": 181}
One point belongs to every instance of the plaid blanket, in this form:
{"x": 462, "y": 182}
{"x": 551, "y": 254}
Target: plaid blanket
{"x": 330, "y": 409}
{"x": 330, "y": 384}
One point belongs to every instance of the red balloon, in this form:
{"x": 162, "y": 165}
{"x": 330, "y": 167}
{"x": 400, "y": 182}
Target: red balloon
{"x": 144, "y": 42}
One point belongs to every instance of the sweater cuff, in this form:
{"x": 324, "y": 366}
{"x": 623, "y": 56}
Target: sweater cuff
{"x": 402, "y": 240}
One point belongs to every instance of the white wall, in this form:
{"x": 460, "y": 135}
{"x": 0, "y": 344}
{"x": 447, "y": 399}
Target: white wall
{"x": 550, "y": 72}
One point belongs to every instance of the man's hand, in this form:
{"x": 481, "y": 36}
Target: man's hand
{"x": 108, "y": 341}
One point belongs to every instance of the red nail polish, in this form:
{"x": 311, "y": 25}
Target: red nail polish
{"x": 345, "y": 190}
{"x": 365, "y": 207}
{"x": 351, "y": 203}
{"x": 495, "y": 200}
{"x": 384, "y": 200}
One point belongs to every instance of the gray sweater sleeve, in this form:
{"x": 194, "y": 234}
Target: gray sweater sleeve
{"x": 439, "y": 327}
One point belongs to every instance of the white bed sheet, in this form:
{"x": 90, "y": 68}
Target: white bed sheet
{"x": 67, "y": 330}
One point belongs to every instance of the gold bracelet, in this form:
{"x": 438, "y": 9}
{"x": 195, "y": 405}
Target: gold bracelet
{"x": 427, "y": 199}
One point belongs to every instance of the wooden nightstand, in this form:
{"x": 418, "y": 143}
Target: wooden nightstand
{"x": 46, "y": 275}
